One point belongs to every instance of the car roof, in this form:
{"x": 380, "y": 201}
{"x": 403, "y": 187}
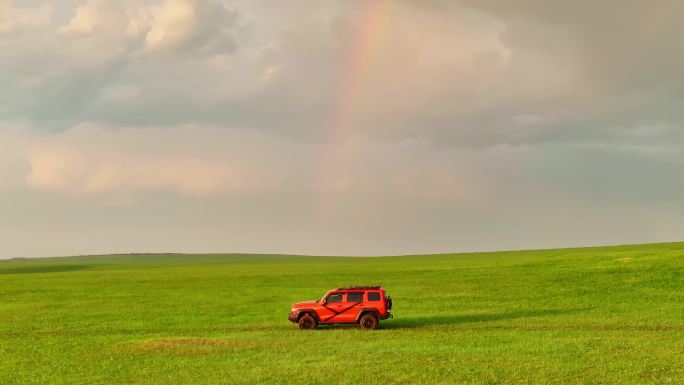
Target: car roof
{"x": 357, "y": 288}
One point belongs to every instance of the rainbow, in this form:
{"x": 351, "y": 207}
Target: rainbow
{"x": 358, "y": 60}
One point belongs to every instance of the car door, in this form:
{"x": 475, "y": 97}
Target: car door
{"x": 332, "y": 307}
{"x": 354, "y": 302}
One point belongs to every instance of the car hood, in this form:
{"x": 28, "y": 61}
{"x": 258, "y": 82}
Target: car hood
{"x": 302, "y": 305}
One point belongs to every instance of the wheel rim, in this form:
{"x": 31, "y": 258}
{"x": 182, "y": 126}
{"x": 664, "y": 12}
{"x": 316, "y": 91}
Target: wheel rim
{"x": 368, "y": 323}
{"x": 306, "y": 323}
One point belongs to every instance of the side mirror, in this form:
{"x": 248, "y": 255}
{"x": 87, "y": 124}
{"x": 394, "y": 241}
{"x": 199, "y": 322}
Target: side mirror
{"x": 324, "y": 301}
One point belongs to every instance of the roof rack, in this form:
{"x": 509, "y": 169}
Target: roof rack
{"x": 360, "y": 288}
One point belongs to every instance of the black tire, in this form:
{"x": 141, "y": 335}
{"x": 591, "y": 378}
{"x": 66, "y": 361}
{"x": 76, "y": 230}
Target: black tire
{"x": 369, "y": 321}
{"x": 307, "y": 322}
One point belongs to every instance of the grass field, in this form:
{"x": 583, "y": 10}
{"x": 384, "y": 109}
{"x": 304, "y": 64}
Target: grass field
{"x": 612, "y": 315}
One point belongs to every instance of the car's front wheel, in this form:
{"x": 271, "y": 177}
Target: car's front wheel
{"x": 369, "y": 322}
{"x": 307, "y": 322}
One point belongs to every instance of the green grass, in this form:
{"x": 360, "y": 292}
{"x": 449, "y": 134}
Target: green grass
{"x": 612, "y": 315}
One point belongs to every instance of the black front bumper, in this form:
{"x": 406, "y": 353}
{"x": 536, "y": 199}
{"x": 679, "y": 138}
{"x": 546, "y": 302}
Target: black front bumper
{"x": 292, "y": 317}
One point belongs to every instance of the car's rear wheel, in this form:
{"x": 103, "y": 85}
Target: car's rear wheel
{"x": 368, "y": 322}
{"x": 307, "y": 322}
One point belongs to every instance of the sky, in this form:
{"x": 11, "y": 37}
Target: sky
{"x": 338, "y": 127}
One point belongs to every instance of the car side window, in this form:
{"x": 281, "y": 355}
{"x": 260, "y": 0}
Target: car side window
{"x": 334, "y": 298}
{"x": 355, "y": 297}
{"x": 374, "y": 296}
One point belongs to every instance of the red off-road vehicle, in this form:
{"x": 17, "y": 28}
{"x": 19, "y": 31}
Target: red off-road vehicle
{"x": 363, "y": 305}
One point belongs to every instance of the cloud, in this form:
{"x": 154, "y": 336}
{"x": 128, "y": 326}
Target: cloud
{"x": 123, "y": 19}
{"x": 456, "y": 73}
{"x": 103, "y": 46}
{"x": 619, "y": 43}
{"x": 592, "y": 76}
{"x": 341, "y": 126}
{"x": 120, "y": 92}
{"x": 96, "y": 161}
{"x": 91, "y": 159}
{"x": 15, "y": 20}
{"x": 194, "y": 24}
{"x": 166, "y": 25}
